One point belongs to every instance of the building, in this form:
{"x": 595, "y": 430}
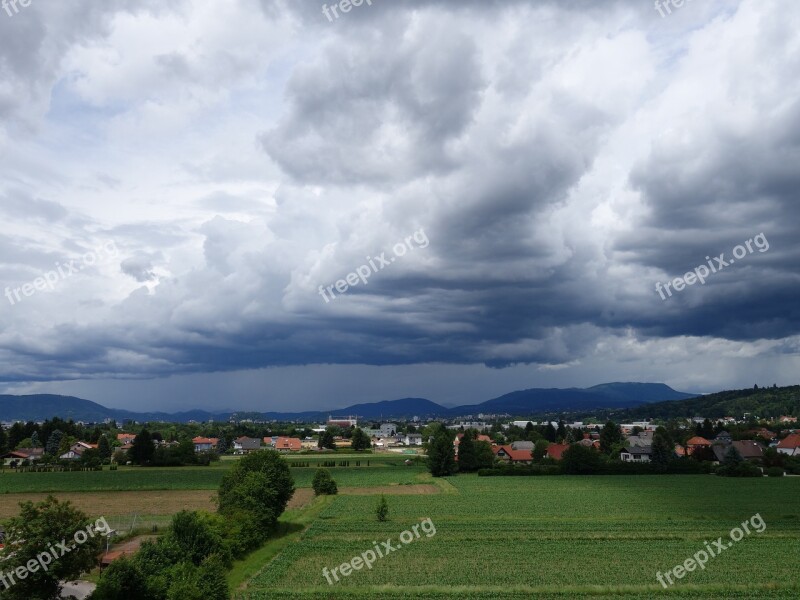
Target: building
{"x": 635, "y": 453}
{"x": 125, "y": 438}
{"x": 288, "y": 444}
{"x": 747, "y": 449}
{"x": 412, "y": 439}
{"x": 509, "y": 455}
{"x": 556, "y": 451}
{"x": 76, "y": 451}
{"x": 790, "y": 445}
{"x": 203, "y": 444}
{"x": 522, "y": 445}
{"x": 343, "y": 422}
{"x": 696, "y": 443}
{"x": 245, "y": 445}
{"x": 15, "y": 457}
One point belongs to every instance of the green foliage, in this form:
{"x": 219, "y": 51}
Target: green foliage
{"x": 580, "y": 460}
{"x": 467, "y": 452}
{"x": 484, "y": 456}
{"x": 326, "y": 439}
{"x": 382, "y": 509}
{"x": 122, "y": 580}
{"x": 37, "y": 527}
{"x": 54, "y": 442}
{"x": 103, "y": 447}
{"x": 195, "y": 537}
{"x": 323, "y": 483}
{"x": 441, "y": 456}
{"x": 662, "y": 452}
{"x": 142, "y": 449}
{"x": 360, "y": 440}
{"x": 775, "y": 471}
{"x": 610, "y": 437}
{"x": 257, "y": 488}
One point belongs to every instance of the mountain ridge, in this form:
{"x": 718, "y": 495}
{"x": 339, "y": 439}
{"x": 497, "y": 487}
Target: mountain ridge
{"x": 618, "y": 395}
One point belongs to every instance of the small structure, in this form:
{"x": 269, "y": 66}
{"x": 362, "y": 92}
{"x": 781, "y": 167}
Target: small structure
{"x": 790, "y": 445}
{"x": 245, "y": 445}
{"x": 203, "y": 444}
{"x": 288, "y": 444}
{"x": 508, "y": 454}
{"x": 640, "y": 454}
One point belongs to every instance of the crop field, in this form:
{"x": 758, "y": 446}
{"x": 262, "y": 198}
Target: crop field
{"x": 385, "y": 472}
{"x": 552, "y": 537}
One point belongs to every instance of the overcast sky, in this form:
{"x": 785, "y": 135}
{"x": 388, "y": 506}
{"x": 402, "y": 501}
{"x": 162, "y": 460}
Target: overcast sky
{"x": 207, "y": 166}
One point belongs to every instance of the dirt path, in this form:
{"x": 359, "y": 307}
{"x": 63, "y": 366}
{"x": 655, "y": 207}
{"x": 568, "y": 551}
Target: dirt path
{"x": 163, "y": 502}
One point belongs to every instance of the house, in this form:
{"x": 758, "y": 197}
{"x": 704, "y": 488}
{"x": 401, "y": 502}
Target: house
{"x": 695, "y": 443}
{"x": 508, "y": 454}
{"x": 556, "y": 451}
{"x": 644, "y": 438}
{"x": 270, "y": 441}
{"x": 790, "y": 445}
{"x": 309, "y": 443}
{"x": 522, "y": 445}
{"x": 76, "y": 451}
{"x": 288, "y": 444}
{"x": 641, "y": 454}
{"x": 723, "y": 437}
{"x": 763, "y": 433}
{"x": 245, "y": 445}
{"x": 412, "y": 439}
{"x": 589, "y": 443}
{"x": 203, "y": 444}
{"x": 17, "y": 456}
{"x": 747, "y": 449}
{"x": 126, "y": 438}
{"x": 785, "y": 419}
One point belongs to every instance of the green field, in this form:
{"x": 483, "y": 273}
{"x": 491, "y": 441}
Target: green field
{"x": 553, "y": 537}
{"x": 383, "y": 471}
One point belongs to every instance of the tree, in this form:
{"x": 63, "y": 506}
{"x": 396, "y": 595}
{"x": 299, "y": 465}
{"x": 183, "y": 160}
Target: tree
{"x": 194, "y": 537}
{"x": 222, "y": 445}
{"x": 142, "y": 449}
{"x": 705, "y": 429}
{"x": 15, "y": 435}
{"x": 484, "y": 456}
{"x": 323, "y": 483}
{"x": 3, "y": 441}
{"x": 103, "y": 448}
{"x": 441, "y": 457}
{"x": 35, "y": 443}
{"x": 382, "y": 509}
{"x": 32, "y": 532}
{"x": 580, "y": 460}
{"x": 467, "y": 452}
{"x": 254, "y": 493}
{"x": 54, "y": 442}
{"x": 326, "y": 439}
{"x": 122, "y": 579}
{"x": 610, "y": 436}
{"x": 360, "y": 440}
{"x": 550, "y": 433}
{"x": 540, "y": 450}
{"x": 561, "y": 432}
{"x": 661, "y": 453}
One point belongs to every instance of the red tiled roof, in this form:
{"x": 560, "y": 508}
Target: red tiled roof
{"x": 790, "y": 441}
{"x": 287, "y": 443}
{"x": 697, "y": 441}
{"x": 556, "y": 450}
{"x": 203, "y": 440}
{"x": 514, "y": 455}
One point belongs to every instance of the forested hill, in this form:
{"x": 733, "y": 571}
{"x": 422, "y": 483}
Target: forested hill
{"x": 762, "y": 403}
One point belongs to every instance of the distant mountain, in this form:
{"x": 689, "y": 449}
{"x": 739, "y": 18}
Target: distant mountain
{"x": 762, "y": 402}
{"x": 38, "y": 407}
{"x": 607, "y": 395}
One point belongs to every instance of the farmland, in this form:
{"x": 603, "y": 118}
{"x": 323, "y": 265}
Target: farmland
{"x": 520, "y": 537}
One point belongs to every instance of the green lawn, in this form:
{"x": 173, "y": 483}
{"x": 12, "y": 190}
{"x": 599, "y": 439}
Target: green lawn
{"x": 382, "y": 471}
{"x": 553, "y": 537}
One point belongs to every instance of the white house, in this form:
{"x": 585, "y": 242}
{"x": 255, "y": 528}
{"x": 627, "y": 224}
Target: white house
{"x": 790, "y": 445}
{"x": 412, "y": 439}
{"x": 636, "y": 454}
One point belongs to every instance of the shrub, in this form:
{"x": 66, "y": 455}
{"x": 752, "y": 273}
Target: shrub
{"x": 323, "y": 483}
{"x": 382, "y": 510}
{"x": 775, "y": 472}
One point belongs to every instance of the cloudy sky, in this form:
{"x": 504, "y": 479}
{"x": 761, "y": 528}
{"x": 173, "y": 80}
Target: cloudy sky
{"x": 182, "y": 187}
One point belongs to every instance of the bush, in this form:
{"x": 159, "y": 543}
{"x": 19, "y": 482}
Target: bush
{"x": 742, "y": 469}
{"x": 323, "y": 483}
{"x": 520, "y": 470}
{"x": 580, "y": 460}
{"x": 775, "y": 472}
{"x": 382, "y": 510}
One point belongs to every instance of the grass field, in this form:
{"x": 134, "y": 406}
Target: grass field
{"x": 553, "y": 537}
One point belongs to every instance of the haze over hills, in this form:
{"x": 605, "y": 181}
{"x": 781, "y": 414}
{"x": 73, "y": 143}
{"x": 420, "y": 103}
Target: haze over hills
{"x": 38, "y": 407}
